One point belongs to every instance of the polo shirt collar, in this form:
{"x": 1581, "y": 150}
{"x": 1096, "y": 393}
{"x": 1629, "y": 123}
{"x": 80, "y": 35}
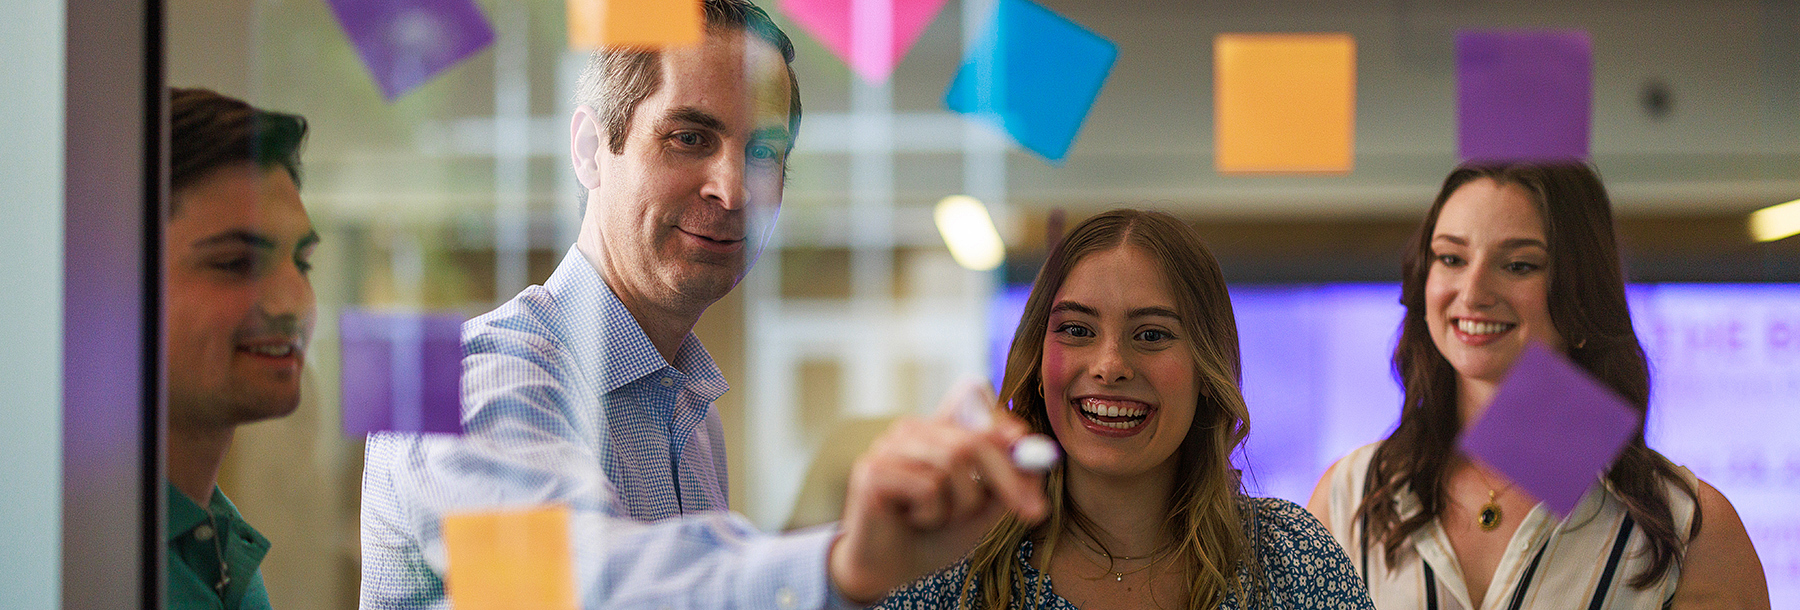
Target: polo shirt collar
{"x": 184, "y": 515}
{"x": 242, "y": 546}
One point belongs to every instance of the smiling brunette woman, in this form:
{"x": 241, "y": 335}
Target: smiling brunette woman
{"x": 1511, "y": 254}
{"x": 1127, "y": 353}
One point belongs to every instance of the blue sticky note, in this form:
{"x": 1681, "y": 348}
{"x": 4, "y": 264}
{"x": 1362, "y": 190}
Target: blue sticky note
{"x": 1524, "y": 95}
{"x": 402, "y": 371}
{"x": 1034, "y": 74}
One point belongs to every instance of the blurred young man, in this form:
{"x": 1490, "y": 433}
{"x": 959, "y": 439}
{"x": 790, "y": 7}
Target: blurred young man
{"x": 239, "y": 310}
{"x": 592, "y": 391}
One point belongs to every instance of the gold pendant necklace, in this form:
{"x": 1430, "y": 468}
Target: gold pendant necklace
{"x": 1107, "y": 570}
{"x": 1490, "y": 513}
{"x": 1120, "y": 576}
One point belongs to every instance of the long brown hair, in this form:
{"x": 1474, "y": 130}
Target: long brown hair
{"x": 1211, "y": 522}
{"x": 1587, "y": 306}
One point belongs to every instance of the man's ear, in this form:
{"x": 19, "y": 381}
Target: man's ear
{"x": 585, "y": 146}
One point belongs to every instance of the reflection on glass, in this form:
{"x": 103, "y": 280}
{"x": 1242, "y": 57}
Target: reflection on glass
{"x": 458, "y": 194}
{"x": 238, "y": 315}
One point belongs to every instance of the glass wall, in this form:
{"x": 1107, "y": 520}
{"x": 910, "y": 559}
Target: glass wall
{"x": 453, "y": 197}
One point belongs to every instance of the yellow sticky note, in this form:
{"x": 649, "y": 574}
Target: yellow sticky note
{"x": 1284, "y": 103}
{"x": 510, "y": 559}
{"x": 633, "y": 23}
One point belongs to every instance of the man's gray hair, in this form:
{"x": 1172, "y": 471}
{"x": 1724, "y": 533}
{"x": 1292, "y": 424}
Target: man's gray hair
{"x": 617, "y": 79}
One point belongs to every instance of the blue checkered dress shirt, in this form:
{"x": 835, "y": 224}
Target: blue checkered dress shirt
{"x": 565, "y": 400}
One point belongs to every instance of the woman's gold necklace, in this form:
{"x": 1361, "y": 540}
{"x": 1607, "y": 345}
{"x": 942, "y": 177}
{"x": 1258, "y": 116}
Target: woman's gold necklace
{"x": 1155, "y": 557}
{"x": 1490, "y": 515}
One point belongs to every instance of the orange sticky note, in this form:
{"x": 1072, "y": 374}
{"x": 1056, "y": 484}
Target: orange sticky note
{"x": 1284, "y": 103}
{"x": 633, "y": 23}
{"x": 510, "y": 559}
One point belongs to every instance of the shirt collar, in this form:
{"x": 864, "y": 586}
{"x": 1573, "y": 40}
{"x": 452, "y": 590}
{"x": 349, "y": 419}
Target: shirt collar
{"x": 704, "y": 378}
{"x": 184, "y": 515}
{"x": 240, "y": 548}
{"x": 620, "y": 352}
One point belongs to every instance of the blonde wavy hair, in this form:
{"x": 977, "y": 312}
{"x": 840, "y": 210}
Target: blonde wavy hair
{"x": 1212, "y": 522}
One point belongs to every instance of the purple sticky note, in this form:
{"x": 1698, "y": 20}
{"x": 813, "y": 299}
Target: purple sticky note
{"x": 402, "y": 371}
{"x": 1552, "y": 429}
{"x": 893, "y": 26}
{"x": 1524, "y": 95}
{"x": 405, "y": 43}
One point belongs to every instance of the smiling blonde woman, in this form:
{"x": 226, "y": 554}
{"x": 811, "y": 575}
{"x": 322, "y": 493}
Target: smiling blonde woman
{"x": 1127, "y": 353}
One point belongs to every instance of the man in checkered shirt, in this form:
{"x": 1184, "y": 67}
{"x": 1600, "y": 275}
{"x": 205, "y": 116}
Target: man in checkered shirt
{"x": 591, "y": 391}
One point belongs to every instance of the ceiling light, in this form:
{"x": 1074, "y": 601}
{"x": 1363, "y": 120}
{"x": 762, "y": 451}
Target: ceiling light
{"x": 1768, "y": 224}
{"x": 969, "y": 232}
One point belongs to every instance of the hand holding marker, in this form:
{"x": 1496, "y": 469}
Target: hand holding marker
{"x": 975, "y": 404}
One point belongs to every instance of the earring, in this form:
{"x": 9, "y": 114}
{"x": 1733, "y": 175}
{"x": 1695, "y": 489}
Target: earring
{"x": 1581, "y": 344}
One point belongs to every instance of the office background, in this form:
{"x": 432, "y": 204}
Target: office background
{"x": 457, "y": 195}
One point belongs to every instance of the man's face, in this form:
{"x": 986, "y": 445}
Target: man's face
{"x": 686, "y": 207}
{"x": 239, "y": 304}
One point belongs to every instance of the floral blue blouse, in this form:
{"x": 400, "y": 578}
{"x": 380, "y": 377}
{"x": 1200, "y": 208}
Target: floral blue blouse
{"x": 1305, "y": 568}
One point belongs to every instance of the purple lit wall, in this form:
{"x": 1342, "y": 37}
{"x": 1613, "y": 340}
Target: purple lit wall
{"x": 1725, "y": 398}
{"x": 1725, "y": 402}
{"x": 1316, "y": 377}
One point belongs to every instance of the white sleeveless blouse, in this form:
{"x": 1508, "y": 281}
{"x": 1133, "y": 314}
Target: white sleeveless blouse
{"x": 1584, "y": 561}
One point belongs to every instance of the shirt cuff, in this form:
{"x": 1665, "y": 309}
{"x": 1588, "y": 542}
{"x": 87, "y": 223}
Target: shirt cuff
{"x": 799, "y": 577}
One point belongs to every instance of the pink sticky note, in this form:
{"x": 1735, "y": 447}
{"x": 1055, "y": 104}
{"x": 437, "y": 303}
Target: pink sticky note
{"x": 833, "y": 23}
{"x": 1552, "y": 429}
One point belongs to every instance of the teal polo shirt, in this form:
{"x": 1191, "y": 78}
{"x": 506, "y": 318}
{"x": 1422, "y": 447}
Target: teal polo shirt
{"x": 197, "y": 539}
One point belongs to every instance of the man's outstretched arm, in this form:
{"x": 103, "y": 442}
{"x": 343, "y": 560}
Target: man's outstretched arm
{"x": 920, "y": 498}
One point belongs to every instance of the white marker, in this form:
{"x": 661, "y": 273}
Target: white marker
{"x": 1035, "y": 453}
{"x": 975, "y": 411}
